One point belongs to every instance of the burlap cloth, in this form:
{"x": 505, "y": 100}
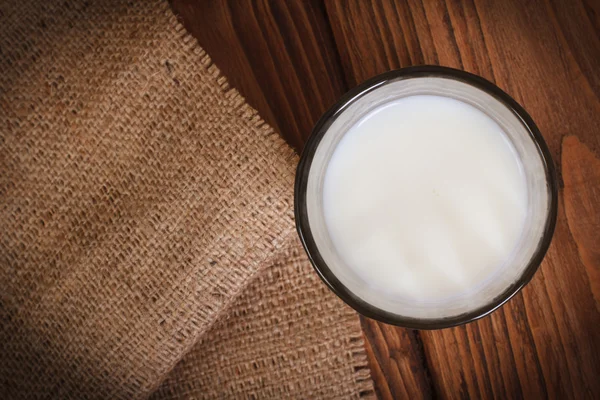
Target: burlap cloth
{"x": 147, "y": 239}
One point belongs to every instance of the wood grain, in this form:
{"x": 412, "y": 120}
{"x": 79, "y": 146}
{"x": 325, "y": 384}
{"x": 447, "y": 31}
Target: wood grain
{"x": 279, "y": 55}
{"x": 581, "y": 175}
{"x": 292, "y": 59}
{"x": 397, "y": 362}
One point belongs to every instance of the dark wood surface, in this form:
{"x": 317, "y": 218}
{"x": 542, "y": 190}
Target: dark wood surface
{"x": 292, "y": 59}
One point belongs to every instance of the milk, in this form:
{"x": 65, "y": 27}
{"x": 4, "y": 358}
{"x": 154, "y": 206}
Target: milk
{"x": 424, "y": 198}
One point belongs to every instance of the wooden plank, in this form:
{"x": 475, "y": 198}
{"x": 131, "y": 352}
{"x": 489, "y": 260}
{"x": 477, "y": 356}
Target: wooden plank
{"x": 397, "y": 362}
{"x": 545, "y": 341}
{"x": 279, "y": 55}
{"x": 581, "y": 176}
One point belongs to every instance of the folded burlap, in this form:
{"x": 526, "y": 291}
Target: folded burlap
{"x": 286, "y": 336}
{"x": 147, "y": 234}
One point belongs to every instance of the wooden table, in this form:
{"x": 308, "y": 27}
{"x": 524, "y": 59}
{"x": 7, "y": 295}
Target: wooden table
{"x": 293, "y": 59}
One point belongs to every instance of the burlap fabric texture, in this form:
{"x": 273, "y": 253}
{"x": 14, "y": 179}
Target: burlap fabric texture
{"x": 147, "y": 245}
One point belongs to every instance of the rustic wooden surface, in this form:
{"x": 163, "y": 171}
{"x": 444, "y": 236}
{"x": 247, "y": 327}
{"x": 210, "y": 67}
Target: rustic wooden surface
{"x": 292, "y": 59}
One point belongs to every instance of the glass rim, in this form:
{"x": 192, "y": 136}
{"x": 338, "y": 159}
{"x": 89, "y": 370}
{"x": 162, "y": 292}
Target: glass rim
{"x": 301, "y": 213}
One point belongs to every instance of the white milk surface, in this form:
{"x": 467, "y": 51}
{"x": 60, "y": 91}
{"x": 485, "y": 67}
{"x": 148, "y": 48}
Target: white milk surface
{"x": 424, "y": 198}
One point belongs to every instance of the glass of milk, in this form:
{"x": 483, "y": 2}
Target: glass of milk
{"x": 426, "y": 197}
